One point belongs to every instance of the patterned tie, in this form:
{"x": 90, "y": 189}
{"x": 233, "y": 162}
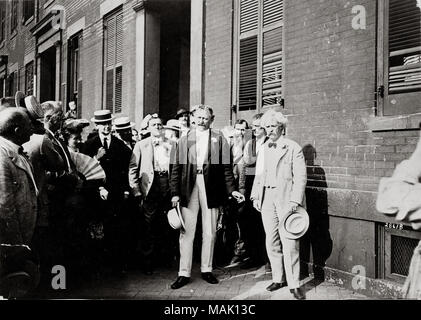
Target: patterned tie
{"x": 272, "y": 144}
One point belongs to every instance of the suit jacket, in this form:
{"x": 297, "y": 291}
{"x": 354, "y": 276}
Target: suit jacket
{"x": 115, "y": 163}
{"x": 217, "y": 169}
{"x": 18, "y": 200}
{"x": 141, "y": 167}
{"x": 291, "y": 173}
{"x": 44, "y": 158}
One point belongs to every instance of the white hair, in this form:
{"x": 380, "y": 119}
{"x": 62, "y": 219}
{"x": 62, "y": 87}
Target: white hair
{"x": 272, "y": 114}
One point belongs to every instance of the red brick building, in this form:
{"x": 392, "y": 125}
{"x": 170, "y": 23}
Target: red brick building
{"x": 347, "y": 74}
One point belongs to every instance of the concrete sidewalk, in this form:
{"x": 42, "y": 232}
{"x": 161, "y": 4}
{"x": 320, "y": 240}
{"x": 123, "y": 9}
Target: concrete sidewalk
{"x": 235, "y": 284}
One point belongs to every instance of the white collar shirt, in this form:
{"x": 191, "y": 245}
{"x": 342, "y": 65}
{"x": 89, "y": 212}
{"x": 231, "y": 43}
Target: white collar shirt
{"x": 202, "y": 144}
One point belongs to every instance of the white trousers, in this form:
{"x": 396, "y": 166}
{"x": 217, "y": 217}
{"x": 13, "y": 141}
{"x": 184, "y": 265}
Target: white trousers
{"x": 209, "y": 218}
{"x": 283, "y": 253}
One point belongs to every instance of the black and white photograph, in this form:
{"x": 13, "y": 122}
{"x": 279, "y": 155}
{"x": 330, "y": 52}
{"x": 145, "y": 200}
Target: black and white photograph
{"x": 212, "y": 155}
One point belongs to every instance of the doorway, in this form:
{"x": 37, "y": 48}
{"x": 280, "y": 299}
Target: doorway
{"x": 47, "y": 79}
{"x": 174, "y": 80}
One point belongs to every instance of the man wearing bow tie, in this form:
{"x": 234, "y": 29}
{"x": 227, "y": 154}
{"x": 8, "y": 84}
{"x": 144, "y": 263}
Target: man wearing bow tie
{"x": 149, "y": 181}
{"x": 278, "y": 189}
{"x": 201, "y": 178}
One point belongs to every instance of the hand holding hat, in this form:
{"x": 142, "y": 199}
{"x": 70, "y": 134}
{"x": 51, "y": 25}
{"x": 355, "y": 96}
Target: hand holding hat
{"x": 294, "y": 224}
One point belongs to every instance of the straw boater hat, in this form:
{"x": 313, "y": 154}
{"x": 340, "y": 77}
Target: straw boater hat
{"x": 173, "y": 125}
{"x": 102, "y": 116}
{"x": 34, "y": 108}
{"x": 175, "y": 219}
{"x": 20, "y": 99}
{"x": 123, "y": 123}
{"x": 295, "y": 224}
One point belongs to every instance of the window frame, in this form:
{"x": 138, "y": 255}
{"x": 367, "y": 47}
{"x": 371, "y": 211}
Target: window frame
{"x": 259, "y": 32}
{"x": 383, "y": 65}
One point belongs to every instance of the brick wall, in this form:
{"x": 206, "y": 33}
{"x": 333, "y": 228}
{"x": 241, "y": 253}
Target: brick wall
{"x": 218, "y": 59}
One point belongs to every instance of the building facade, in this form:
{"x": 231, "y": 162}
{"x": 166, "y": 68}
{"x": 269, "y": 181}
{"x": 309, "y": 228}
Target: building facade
{"x": 346, "y": 73}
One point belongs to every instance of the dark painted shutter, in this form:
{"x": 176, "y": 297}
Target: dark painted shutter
{"x": 118, "y": 89}
{"x": 248, "y": 74}
{"x": 109, "y": 87}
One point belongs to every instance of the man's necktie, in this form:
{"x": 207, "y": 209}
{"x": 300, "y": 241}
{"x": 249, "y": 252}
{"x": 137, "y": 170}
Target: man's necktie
{"x": 272, "y": 144}
{"x": 157, "y": 142}
{"x": 23, "y": 153}
{"x": 105, "y": 143}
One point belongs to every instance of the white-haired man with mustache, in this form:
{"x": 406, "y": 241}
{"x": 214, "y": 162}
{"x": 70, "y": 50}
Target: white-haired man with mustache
{"x": 278, "y": 189}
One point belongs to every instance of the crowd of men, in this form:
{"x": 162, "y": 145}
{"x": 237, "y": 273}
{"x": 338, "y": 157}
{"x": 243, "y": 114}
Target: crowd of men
{"x": 54, "y": 213}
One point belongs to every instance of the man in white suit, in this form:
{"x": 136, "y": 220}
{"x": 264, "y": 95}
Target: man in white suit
{"x": 278, "y": 189}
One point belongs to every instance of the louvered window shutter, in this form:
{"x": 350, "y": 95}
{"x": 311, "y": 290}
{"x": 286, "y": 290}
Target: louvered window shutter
{"x": 118, "y": 88}
{"x": 249, "y": 15}
{"x": 273, "y": 11}
{"x": 260, "y": 54}
{"x": 248, "y": 55}
{"x": 109, "y": 89}
{"x": 114, "y": 68}
{"x": 404, "y": 46}
{"x": 248, "y": 74}
{"x": 403, "y": 81}
{"x": 272, "y": 68}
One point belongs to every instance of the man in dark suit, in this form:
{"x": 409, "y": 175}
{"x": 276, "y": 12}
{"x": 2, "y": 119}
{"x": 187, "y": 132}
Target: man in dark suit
{"x": 201, "y": 178}
{"x": 114, "y": 157}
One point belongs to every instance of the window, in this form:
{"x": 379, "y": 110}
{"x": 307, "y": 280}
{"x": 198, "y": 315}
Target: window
{"x": 14, "y": 16}
{"x": 75, "y": 76}
{"x": 399, "y": 68}
{"x": 2, "y": 21}
{"x": 28, "y": 9}
{"x": 29, "y": 78}
{"x": 11, "y": 84}
{"x": 113, "y": 62}
{"x": 260, "y": 54}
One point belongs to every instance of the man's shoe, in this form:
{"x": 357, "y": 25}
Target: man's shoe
{"x": 180, "y": 282}
{"x": 209, "y": 277}
{"x": 276, "y": 286}
{"x": 298, "y": 294}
